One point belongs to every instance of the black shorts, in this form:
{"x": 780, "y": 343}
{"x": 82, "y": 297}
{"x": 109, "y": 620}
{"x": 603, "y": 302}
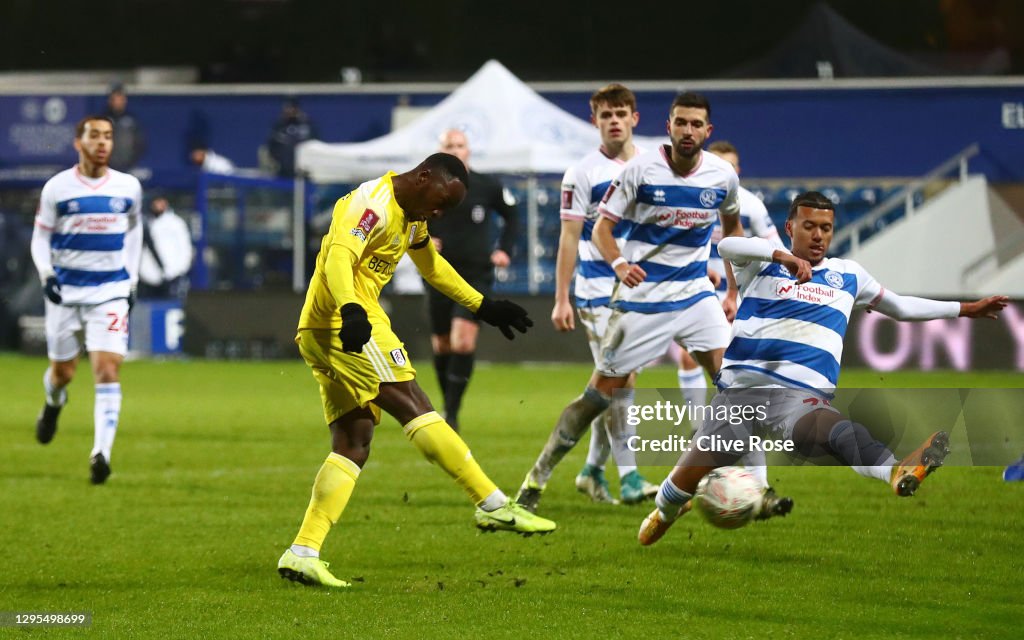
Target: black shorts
{"x": 443, "y": 309}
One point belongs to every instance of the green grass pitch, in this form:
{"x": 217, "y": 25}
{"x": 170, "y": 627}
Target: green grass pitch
{"x": 212, "y": 471}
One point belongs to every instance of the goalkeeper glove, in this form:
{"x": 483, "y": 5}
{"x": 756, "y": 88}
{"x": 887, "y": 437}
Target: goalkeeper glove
{"x": 355, "y": 328}
{"x": 505, "y": 315}
{"x": 51, "y": 289}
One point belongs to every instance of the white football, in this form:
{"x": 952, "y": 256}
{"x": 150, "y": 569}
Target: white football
{"x": 729, "y": 497}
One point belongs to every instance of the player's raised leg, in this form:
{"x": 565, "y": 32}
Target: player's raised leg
{"x": 439, "y": 444}
{"x": 852, "y": 444}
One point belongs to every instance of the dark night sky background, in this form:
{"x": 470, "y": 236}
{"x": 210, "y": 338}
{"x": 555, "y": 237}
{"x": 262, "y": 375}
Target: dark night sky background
{"x": 307, "y": 41}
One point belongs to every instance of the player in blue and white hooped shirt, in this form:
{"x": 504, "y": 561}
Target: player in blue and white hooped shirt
{"x": 785, "y": 354}
{"x": 87, "y": 245}
{"x": 613, "y": 112}
{"x": 756, "y": 223}
{"x": 667, "y": 202}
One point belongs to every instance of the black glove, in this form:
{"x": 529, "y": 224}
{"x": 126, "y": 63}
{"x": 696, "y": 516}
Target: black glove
{"x": 355, "y": 328}
{"x": 51, "y": 289}
{"x": 505, "y": 315}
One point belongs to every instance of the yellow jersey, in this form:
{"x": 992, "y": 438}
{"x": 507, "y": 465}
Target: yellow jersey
{"x": 369, "y": 234}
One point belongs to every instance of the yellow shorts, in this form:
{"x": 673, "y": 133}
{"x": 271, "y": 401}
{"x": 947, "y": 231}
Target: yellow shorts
{"x": 352, "y": 380}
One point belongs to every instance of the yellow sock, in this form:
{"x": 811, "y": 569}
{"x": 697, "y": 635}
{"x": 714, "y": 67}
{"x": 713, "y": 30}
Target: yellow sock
{"x": 442, "y": 446}
{"x": 331, "y": 490}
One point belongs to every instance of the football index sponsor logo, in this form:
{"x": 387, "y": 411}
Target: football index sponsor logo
{"x": 708, "y": 198}
{"x": 365, "y": 224}
{"x": 785, "y": 290}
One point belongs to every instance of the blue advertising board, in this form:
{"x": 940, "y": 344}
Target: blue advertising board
{"x": 782, "y": 133}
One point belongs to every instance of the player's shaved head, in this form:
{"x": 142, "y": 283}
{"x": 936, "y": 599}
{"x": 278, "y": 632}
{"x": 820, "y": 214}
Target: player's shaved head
{"x": 437, "y": 184}
{"x": 447, "y": 166}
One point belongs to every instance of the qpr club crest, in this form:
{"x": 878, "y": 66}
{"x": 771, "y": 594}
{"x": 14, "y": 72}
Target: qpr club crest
{"x": 834, "y": 279}
{"x": 478, "y": 214}
{"x": 708, "y": 198}
{"x": 117, "y": 205}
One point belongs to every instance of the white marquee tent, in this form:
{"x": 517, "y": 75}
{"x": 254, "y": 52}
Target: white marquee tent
{"x": 511, "y": 129}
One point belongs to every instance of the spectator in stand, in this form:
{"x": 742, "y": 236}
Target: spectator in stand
{"x": 211, "y": 162}
{"x": 291, "y": 128}
{"x": 166, "y": 253}
{"x": 131, "y": 139}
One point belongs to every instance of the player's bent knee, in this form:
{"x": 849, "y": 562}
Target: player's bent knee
{"x": 63, "y": 373}
{"x": 352, "y": 434}
{"x": 608, "y": 385}
{"x": 404, "y": 401}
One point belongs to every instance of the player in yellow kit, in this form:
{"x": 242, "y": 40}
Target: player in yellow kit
{"x": 361, "y": 365}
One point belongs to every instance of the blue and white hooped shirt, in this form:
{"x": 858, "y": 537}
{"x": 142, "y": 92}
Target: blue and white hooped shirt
{"x": 583, "y": 187}
{"x": 789, "y": 334}
{"x": 667, "y": 222}
{"x": 88, "y": 220}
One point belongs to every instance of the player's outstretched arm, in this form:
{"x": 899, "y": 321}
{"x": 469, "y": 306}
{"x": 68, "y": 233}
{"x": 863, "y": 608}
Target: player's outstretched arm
{"x": 913, "y": 308}
{"x": 442, "y": 276}
{"x": 565, "y": 264}
{"x": 985, "y": 308}
{"x": 505, "y": 315}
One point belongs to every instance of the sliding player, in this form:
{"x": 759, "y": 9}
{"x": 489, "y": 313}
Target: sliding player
{"x": 785, "y": 355}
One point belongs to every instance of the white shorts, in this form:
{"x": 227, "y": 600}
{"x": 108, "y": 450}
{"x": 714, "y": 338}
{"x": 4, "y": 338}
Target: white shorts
{"x": 595, "y": 321}
{"x": 633, "y": 339}
{"x": 104, "y": 325}
{"x": 774, "y": 411}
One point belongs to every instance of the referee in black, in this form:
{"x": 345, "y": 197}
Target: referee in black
{"x": 463, "y": 236}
